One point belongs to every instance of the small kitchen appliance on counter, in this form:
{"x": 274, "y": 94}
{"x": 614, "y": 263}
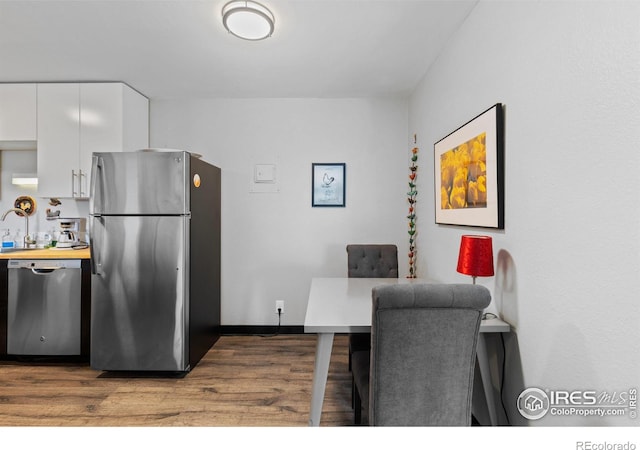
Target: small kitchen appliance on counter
{"x": 72, "y": 232}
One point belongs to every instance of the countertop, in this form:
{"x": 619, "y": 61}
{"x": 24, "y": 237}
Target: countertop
{"x": 47, "y": 253}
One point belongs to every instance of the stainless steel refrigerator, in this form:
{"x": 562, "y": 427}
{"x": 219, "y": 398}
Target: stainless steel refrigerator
{"x": 155, "y": 259}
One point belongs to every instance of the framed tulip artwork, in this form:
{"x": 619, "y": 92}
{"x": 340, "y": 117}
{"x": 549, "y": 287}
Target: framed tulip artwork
{"x": 469, "y": 173}
{"x": 328, "y": 181}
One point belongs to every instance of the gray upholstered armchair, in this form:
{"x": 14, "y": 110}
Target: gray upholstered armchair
{"x": 419, "y": 370}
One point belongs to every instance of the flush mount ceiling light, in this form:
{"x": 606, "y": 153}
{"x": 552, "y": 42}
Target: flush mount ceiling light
{"x": 248, "y": 20}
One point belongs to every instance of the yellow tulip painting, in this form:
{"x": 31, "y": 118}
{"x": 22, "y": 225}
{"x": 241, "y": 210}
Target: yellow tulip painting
{"x": 463, "y": 175}
{"x": 469, "y": 172}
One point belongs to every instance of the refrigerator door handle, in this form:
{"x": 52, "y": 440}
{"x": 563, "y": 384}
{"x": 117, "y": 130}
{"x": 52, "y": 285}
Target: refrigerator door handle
{"x": 92, "y": 261}
{"x": 94, "y": 200}
{"x": 92, "y": 248}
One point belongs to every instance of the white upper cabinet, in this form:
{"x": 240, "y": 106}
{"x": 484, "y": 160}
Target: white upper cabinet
{"x": 18, "y": 112}
{"x": 77, "y": 119}
{"x": 58, "y": 139}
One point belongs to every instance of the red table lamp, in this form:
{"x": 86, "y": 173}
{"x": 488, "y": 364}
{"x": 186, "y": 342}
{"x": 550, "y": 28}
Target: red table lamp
{"x": 476, "y": 256}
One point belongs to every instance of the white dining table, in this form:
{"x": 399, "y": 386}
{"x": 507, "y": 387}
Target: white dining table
{"x": 343, "y": 305}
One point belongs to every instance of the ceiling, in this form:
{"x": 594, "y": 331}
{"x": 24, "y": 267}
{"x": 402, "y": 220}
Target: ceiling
{"x": 179, "y": 48}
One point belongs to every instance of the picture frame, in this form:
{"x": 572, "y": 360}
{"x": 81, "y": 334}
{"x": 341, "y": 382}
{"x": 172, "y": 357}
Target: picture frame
{"x": 328, "y": 184}
{"x": 469, "y": 173}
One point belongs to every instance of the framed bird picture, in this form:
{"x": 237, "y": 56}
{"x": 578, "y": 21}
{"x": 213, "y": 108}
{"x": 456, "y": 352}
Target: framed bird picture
{"x": 328, "y": 182}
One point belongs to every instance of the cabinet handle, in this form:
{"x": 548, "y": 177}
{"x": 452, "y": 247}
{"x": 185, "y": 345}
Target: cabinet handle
{"x": 74, "y": 193}
{"x": 80, "y": 185}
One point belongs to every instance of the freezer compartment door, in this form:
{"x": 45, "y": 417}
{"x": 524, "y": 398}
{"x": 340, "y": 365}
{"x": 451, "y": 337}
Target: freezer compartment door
{"x": 139, "y": 293}
{"x": 143, "y": 182}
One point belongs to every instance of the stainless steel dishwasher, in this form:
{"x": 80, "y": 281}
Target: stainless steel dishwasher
{"x": 43, "y": 310}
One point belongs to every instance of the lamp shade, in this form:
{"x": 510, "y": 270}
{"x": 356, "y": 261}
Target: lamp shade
{"x": 476, "y": 256}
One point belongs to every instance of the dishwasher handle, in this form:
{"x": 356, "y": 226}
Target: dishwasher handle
{"x": 44, "y": 270}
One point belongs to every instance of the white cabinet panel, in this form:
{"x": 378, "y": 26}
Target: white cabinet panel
{"x": 100, "y": 125}
{"x": 18, "y": 112}
{"x": 58, "y": 139}
{"x": 110, "y": 117}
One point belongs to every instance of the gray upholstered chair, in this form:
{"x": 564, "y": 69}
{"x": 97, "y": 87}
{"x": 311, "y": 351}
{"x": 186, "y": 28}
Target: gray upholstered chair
{"x": 419, "y": 370}
{"x": 369, "y": 261}
{"x": 372, "y": 261}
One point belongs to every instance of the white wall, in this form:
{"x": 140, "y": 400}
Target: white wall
{"x": 568, "y": 260}
{"x": 274, "y": 243}
{"x": 23, "y": 161}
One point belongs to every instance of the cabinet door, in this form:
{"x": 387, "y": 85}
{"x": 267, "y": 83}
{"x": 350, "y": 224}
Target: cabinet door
{"x": 58, "y": 139}
{"x": 76, "y": 120}
{"x": 113, "y": 118}
{"x": 101, "y": 117}
{"x": 18, "y": 112}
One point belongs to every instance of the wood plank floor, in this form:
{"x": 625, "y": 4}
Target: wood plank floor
{"x": 241, "y": 381}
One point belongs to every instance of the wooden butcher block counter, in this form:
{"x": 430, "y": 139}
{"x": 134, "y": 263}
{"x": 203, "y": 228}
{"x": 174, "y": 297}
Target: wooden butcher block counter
{"x": 47, "y": 253}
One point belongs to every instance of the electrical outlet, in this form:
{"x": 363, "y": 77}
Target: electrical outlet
{"x": 280, "y": 306}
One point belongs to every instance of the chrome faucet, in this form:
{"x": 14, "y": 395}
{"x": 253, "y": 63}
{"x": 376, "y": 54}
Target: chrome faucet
{"x": 27, "y": 238}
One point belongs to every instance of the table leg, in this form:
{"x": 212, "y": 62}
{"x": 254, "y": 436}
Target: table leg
{"x": 485, "y": 375}
{"x": 320, "y": 372}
